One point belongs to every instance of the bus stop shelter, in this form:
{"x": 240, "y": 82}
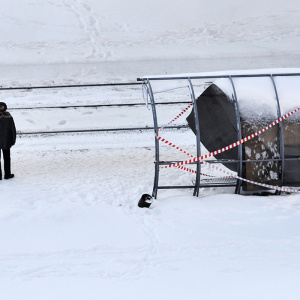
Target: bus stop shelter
{"x": 228, "y": 108}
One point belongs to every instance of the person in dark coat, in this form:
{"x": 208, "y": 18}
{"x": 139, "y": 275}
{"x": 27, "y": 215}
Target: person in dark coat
{"x": 7, "y": 139}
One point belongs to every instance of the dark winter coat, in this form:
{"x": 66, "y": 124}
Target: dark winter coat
{"x": 7, "y": 130}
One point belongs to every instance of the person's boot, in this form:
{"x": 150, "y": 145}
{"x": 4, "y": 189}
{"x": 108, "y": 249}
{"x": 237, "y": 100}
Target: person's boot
{"x": 9, "y": 176}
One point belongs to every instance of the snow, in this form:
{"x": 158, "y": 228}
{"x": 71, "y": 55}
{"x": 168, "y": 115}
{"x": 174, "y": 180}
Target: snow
{"x": 255, "y": 95}
{"x": 70, "y": 227}
{"x": 76, "y": 40}
{"x": 226, "y": 73}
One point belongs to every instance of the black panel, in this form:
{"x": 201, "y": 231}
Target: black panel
{"x": 217, "y": 122}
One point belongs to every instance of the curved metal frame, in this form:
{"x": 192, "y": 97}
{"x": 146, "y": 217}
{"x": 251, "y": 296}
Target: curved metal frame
{"x": 240, "y": 159}
{"x": 197, "y": 181}
{"x": 239, "y": 136}
{"x": 281, "y": 138}
{"x": 156, "y": 175}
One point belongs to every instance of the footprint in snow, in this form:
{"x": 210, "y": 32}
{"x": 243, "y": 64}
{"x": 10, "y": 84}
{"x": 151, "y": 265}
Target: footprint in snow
{"x": 30, "y": 121}
{"x": 92, "y": 21}
{"x": 86, "y": 6}
{"x": 62, "y": 122}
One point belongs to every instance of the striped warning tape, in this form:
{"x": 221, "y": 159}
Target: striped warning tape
{"x": 282, "y": 189}
{"x": 194, "y": 172}
{"x": 201, "y": 158}
{"x": 229, "y": 174}
{"x": 232, "y": 175}
{"x": 177, "y": 117}
{"x": 180, "y": 167}
{"x": 174, "y": 146}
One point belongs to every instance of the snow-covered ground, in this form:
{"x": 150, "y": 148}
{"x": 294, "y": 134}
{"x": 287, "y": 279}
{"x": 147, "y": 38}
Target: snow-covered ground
{"x": 84, "y": 40}
{"x": 70, "y": 227}
{"x": 76, "y": 30}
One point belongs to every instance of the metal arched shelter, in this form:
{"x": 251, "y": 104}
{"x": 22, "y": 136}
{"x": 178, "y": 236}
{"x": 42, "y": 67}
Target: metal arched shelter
{"x": 278, "y": 84}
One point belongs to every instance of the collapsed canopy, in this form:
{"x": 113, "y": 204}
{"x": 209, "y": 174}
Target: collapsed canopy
{"x": 220, "y": 116}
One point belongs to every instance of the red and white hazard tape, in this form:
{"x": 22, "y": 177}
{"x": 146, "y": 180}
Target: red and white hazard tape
{"x": 174, "y": 146}
{"x": 201, "y": 158}
{"x": 232, "y": 175}
{"x": 186, "y": 169}
{"x": 194, "y": 172}
{"x": 177, "y": 117}
{"x": 229, "y": 174}
{"x": 272, "y": 187}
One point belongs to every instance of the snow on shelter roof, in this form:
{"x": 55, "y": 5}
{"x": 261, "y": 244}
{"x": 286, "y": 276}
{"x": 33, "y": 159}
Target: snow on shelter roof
{"x": 162, "y": 83}
{"x": 241, "y": 102}
{"x": 214, "y": 74}
{"x": 254, "y": 89}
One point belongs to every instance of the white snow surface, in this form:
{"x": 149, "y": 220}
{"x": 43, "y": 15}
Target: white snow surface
{"x": 83, "y": 40}
{"x": 70, "y": 227}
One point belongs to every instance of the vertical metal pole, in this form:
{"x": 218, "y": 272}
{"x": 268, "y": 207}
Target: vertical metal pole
{"x": 280, "y": 131}
{"x": 239, "y": 129}
{"x": 145, "y": 93}
{"x": 156, "y": 174}
{"x": 197, "y": 182}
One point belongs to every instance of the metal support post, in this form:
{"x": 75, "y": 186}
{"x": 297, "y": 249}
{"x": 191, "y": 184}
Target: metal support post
{"x": 281, "y": 139}
{"x": 156, "y": 174}
{"x": 239, "y": 129}
{"x": 197, "y": 181}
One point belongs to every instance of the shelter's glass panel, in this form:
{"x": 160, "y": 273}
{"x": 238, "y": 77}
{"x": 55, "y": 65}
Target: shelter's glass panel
{"x": 258, "y": 108}
{"x": 217, "y": 118}
{"x": 173, "y": 105}
{"x": 288, "y": 88}
{"x": 159, "y": 86}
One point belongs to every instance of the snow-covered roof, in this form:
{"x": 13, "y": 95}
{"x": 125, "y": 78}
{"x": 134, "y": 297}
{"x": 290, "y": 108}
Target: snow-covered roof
{"x": 259, "y": 72}
{"x": 161, "y": 83}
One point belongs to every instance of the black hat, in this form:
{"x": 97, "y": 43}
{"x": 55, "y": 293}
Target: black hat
{"x": 3, "y": 106}
{"x": 145, "y": 201}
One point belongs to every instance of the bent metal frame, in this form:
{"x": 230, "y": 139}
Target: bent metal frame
{"x": 148, "y": 88}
